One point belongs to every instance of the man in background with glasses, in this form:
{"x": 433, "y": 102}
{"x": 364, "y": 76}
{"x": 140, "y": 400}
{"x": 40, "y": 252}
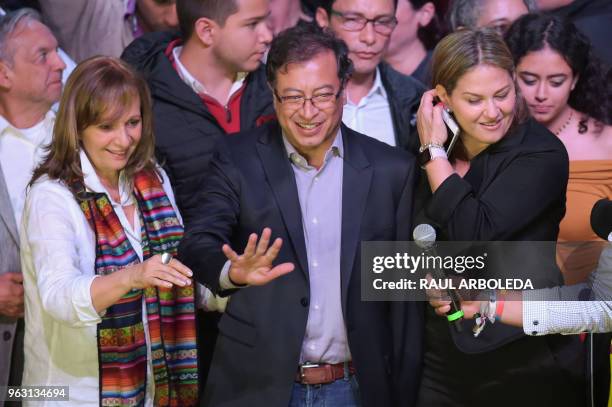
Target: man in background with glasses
{"x": 279, "y": 226}
{"x": 381, "y": 102}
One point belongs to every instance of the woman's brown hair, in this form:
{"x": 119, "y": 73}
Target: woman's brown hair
{"x": 462, "y": 50}
{"x": 100, "y": 89}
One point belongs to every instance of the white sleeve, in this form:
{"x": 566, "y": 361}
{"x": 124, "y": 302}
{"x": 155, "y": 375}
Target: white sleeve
{"x": 561, "y": 310}
{"x": 50, "y": 232}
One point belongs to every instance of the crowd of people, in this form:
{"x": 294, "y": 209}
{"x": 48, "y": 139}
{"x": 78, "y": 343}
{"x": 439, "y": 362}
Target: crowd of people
{"x": 185, "y": 186}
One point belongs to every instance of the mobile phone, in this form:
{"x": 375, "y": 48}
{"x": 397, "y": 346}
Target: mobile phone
{"x": 452, "y": 128}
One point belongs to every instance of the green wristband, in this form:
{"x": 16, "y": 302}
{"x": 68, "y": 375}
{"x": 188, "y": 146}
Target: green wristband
{"x": 455, "y": 316}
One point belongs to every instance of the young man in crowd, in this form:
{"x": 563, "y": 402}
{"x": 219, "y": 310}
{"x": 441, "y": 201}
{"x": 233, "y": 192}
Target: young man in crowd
{"x": 381, "y": 102}
{"x": 205, "y": 84}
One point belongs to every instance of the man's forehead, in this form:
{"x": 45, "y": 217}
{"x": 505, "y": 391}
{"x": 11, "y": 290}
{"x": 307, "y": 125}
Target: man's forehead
{"x": 366, "y": 7}
{"x": 247, "y": 9}
{"x": 30, "y": 28}
{"x": 318, "y": 72}
{"x": 29, "y": 39}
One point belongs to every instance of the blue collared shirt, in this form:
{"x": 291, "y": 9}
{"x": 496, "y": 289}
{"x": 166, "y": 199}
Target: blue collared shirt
{"x": 320, "y": 195}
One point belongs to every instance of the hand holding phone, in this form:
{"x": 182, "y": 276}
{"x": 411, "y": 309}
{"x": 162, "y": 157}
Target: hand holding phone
{"x": 452, "y": 128}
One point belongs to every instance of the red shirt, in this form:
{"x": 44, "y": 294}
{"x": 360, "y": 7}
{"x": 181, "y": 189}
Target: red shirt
{"x": 227, "y": 116}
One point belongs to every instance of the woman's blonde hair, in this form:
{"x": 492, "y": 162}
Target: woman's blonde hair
{"x": 99, "y": 90}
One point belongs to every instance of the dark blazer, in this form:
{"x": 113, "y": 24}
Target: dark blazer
{"x": 404, "y": 94}
{"x": 250, "y": 185}
{"x": 514, "y": 191}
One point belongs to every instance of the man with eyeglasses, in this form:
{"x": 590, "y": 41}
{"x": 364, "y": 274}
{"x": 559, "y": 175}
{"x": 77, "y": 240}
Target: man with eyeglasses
{"x": 381, "y": 102}
{"x": 279, "y": 227}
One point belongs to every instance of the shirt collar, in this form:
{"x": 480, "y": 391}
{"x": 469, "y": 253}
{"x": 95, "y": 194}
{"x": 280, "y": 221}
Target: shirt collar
{"x": 335, "y": 150}
{"x": 378, "y": 87}
{"x": 35, "y": 137}
{"x": 93, "y": 184}
{"x": 193, "y": 83}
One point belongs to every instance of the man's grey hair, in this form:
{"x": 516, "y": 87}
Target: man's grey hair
{"x": 8, "y": 25}
{"x": 465, "y": 13}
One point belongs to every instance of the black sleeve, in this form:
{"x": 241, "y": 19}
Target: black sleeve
{"x": 520, "y": 193}
{"x": 213, "y": 223}
{"x": 403, "y": 215}
{"x": 406, "y": 317}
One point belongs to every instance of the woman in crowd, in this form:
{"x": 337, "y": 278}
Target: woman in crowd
{"x": 504, "y": 180}
{"x": 414, "y": 38}
{"x": 109, "y": 312}
{"x": 566, "y": 90}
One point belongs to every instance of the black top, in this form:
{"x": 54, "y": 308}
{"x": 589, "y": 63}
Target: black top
{"x": 514, "y": 191}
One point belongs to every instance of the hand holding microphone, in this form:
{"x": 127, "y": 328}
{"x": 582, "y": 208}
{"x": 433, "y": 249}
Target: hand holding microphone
{"x": 424, "y": 236}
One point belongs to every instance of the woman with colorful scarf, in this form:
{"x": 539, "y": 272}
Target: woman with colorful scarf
{"x": 105, "y": 315}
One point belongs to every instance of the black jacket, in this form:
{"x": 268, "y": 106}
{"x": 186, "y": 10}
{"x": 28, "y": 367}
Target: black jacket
{"x": 514, "y": 191}
{"x": 251, "y": 186}
{"x": 404, "y": 94}
{"x": 185, "y": 130}
{"x": 592, "y": 18}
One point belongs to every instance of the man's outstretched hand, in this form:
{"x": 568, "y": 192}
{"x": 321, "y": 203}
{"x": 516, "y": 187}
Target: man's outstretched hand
{"x": 254, "y": 266}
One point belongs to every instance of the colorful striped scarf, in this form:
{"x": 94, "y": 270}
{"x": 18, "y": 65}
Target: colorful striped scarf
{"x": 122, "y": 351}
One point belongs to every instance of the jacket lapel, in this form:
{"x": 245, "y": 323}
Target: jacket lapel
{"x": 6, "y": 209}
{"x": 357, "y": 176}
{"x": 282, "y": 182}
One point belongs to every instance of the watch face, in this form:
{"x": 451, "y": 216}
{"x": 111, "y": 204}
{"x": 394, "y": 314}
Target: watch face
{"x": 424, "y": 157}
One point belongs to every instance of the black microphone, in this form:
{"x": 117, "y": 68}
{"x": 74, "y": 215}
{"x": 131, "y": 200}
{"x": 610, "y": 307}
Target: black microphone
{"x": 424, "y": 236}
{"x": 601, "y": 219}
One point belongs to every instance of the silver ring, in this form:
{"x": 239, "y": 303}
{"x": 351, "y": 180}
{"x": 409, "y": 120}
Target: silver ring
{"x": 165, "y": 258}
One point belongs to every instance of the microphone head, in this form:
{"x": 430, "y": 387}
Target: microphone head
{"x": 601, "y": 219}
{"x": 424, "y": 236}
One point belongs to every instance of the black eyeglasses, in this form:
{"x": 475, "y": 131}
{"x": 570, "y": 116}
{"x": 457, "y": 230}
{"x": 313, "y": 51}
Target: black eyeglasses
{"x": 320, "y": 100}
{"x": 355, "y": 22}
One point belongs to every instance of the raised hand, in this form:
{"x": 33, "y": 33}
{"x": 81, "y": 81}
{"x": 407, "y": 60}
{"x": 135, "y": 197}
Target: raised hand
{"x": 430, "y": 125}
{"x": 254, "y": 266}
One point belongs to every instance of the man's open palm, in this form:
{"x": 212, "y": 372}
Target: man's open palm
{"x": 254, "y": 266}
